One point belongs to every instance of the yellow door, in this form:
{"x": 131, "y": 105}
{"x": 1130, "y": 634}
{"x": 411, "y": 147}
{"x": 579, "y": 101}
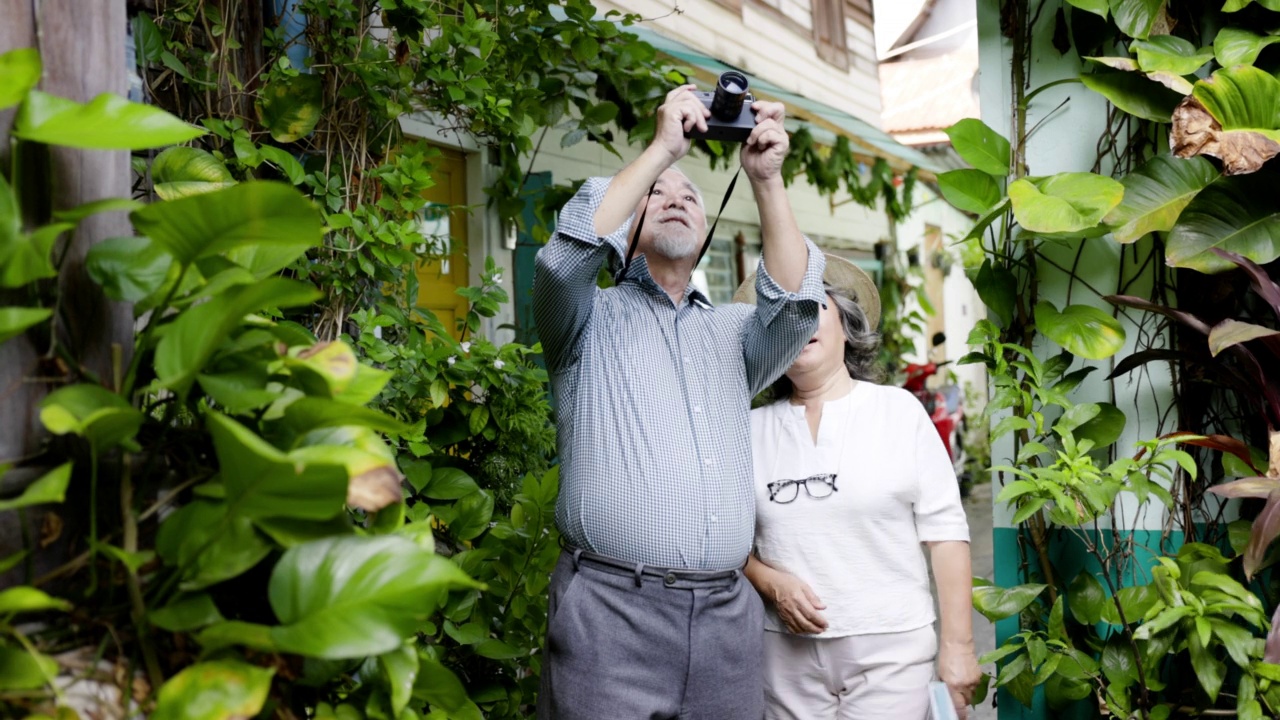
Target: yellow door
{"x": 440, "y": 279}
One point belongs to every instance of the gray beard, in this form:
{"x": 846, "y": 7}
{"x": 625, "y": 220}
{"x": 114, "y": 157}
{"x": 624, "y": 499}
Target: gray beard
{"x": 674, "y": 246}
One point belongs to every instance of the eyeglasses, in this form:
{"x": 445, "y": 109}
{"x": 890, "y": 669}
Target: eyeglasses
{"x": 819, "y": 487}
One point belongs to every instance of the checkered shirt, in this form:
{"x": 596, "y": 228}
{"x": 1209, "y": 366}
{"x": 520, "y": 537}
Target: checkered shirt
{"x": 653, "y": 399}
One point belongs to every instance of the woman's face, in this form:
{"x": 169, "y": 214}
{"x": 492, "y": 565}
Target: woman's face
{"x": 825, "y": 352}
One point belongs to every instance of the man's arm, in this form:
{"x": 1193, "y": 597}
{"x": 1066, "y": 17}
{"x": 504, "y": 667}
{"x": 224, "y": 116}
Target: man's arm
{"x": 595, "y": 223}
{"x": 789, "y": 282}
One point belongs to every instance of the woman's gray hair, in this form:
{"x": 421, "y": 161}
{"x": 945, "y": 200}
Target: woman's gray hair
{"x": 861, "y": 344}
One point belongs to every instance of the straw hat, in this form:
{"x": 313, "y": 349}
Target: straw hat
{"x": 840, "y": 274}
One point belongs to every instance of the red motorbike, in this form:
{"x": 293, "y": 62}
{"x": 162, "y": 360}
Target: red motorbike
{"x": 945, "y": 406}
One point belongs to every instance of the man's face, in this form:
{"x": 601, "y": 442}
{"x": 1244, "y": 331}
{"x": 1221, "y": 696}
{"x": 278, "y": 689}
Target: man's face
{"x": 676, "y": 220}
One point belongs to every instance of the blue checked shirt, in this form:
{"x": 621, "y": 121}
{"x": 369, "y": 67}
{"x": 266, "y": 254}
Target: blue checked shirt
{"x": 653, "y": 399}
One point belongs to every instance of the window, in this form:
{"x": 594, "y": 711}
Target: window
{"x": 829, "y": 32}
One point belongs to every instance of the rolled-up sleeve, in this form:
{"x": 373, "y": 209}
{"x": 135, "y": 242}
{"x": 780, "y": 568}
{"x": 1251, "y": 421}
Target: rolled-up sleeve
{"x": 783, "y": 321}
{"x": 939, "y": 511}
{"x": 565, "y": 270}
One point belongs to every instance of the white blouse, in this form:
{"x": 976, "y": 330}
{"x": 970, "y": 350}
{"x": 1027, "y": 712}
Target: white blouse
{"x": 859, "y": 547}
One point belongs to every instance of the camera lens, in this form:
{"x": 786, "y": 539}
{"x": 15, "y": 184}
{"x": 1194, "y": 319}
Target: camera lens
{"x": 731, "y": 90}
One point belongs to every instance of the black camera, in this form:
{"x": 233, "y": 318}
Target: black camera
{"x": 732, "y": 119}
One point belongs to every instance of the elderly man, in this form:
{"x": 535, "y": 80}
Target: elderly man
{"x": 649, "y": 614}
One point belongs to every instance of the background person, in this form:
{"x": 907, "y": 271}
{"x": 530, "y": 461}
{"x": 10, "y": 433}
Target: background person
{"x": 648, "y": 614}
{"x": 851, "y": 479}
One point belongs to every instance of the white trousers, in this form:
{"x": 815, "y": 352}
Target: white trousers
{"x": 860, "y": 677}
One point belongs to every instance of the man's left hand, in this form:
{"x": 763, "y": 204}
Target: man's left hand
{"x": 958, "y": 668}
{"x": 766, "y": 148}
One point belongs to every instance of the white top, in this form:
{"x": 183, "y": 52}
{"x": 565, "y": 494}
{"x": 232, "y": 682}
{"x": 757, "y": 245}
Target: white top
{"x": 859, "y": 548}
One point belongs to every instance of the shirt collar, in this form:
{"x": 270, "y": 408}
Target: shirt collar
{"x": 638, "y": 273}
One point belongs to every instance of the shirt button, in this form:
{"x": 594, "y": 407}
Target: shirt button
{"x": 714, "y": 518}
{"x": 697, "y": 409}
{"x": 707, "y": 462}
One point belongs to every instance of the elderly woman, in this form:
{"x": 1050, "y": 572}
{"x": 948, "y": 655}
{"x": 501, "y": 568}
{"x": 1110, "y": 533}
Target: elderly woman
{"x": 851, "y": 481}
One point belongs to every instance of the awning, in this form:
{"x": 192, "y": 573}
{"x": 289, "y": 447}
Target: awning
{"x": 822, "y": 120}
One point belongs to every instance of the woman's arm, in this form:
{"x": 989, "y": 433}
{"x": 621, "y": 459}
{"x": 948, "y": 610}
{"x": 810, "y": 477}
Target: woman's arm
{"x": 797, "y": 605}
{"x": 957, "y": 661}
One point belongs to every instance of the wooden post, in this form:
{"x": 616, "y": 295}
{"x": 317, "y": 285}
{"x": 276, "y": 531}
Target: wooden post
{"x": 82, "y": 45}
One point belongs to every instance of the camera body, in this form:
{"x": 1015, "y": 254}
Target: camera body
{"x": 732, "y": 119}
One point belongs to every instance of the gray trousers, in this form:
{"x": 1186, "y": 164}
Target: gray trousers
{"x": 657, "y": 645}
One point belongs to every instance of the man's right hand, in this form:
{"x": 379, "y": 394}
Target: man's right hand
{"x": 679, "y": 113}
{"x": 797, "y": 605}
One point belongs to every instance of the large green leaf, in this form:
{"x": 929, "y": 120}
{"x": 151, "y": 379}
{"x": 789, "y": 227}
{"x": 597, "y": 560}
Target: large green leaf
{"x": 1136, "y": 17}
{"x": 472, "y": 515}
{"x": 208, "y": 544}
{"x": 49, "y": 488}
{"x": 998, "y": 288}
{"x": 1135, "y": 601}
{"x": 1097, "y": 7}
{"x": 214, "y": 690}
{"x": 1104, "y": 428}
{"x": 1135, "y": 94}
{"x": 1172, "y": 54}
{"x": 1064, "y": 204}
{"x": 108, "y": 122}
{"x": 93, "y": 412}
{"x": 1083, "y": 330}
{"x": 439, "y": 686}
{"x": 191, "y": 340}
{"x": 290, "y": 107}
{"x": 1236, "y": 214}
{"x": 20, "y": 670}
{"x": 980, "y": 146}
{"x": 182, "y": 171}
{"x": 971, "y": 190}
{"x": 261, "y": 215}
{"x": 187, "y": 613}
{"x": 128, "y": 268}
{"x": 1233, "y": 332}
{"x": 1233, "y": 46}
{"x": 1210, "y": 671}
{"x": 1086, "y": 597}
{"x": 1155, "y": 195}
{"x": 997, "y": 603}
{"x": 401, "y": 668}
{"x": 449, "y": 483}
{"x": 263, "y": 482}
{"x": 24, "y": 598}
{"x": 15, "y": 320}
{"x": 313, "y": 413}
{"x": 353, "y": 596}
{"x": 19, "y": 72}
{"x": 23, "y": 258}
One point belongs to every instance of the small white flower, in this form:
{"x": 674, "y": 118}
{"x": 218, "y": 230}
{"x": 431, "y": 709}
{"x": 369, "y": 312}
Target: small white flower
{"x": 498, "y": 364}
{"x": 452, "y": 360}
{"x": 497, "y": 279}
{"x": 466, "y": 347}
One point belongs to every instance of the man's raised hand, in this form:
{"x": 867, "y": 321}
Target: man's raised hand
{"x": 681, "y": 112}
{"x": 766, "y": 148}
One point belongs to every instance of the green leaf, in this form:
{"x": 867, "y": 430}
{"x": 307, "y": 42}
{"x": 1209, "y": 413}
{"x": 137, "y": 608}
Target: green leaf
{"x": 1233, "y": 46}
{"x": 970, "y": 190}
{"x": 1136, "y": 17}
{"x": 313, "y": 413}
{"x": 1164, "y": 620}
{"x": 1210, "y": 671}
{"x": 1104, "y": 428}
{"x": 1172, "y": 54}
{"x": 50, "y": 488}
{"x": 1155, "y": 195}
{"x": 184, "y": 171}
{"x": 215, "y": 690}
{"x": 473, "y": 515}
{"x": 1118, "y": 662}
{"x": 601, "y": 113}
{"x": 998, "y": 288}
{"x": 1083, "y": 330}
{"x": 287, "y": 163}
{"x": 1238, "y": 641}
{"x": 290, "y": 107}
{"x": 266, "y": 216}
{"x": 263, "y": 482}
{"x": 19, "y": 72}
{"x": 191, "y": 340}
{"x": 234, "y": 632}
{"x": 401, "y": 668}
{"x": 1134, "y": 94}
{"x": 1233, "y": 332}
{"x": 449, "y": 484}
{"x": 980, "y": 146}
{"x": 108, "y": 122}
{"x": 1237, "y": 214}
{"x": 1232, "y": 116}
{"x": 1086, "y": 598}
{"x": 93, "y": 412}
{"x": 20, "y": 670}
{"x": 355, "y": 596}
{"x": 128, "y": 268}
{"x": 1067, "y": 204}
{"x": 24, "y": 598}
{"x": 996, "y": 603}
{"x": 23, "y": 258}
{"x": 438, "y": 686}
{"x": 1057, "y": 628}
{"x": 15, "y": 320}
{"x": 208, "y": 544}
{"x": 1135, "y": 601}
{"x": 186, "y": 614}
{"x": 1097, "y": 7}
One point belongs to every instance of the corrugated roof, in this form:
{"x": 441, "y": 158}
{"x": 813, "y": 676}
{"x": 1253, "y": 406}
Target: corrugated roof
{"x": 929, "y": 94}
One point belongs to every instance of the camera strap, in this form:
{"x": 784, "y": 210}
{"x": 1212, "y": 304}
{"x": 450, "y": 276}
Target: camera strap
{"x": 706, "y": 245}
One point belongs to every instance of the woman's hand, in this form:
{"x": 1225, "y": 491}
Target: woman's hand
{"x": 797, "y": 605}
{"x": 958, "y": 668}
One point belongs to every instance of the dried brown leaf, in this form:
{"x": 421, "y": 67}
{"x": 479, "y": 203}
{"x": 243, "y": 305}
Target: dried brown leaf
{"x": 375, "y": 488}
{"x": 1196, "y": 132}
